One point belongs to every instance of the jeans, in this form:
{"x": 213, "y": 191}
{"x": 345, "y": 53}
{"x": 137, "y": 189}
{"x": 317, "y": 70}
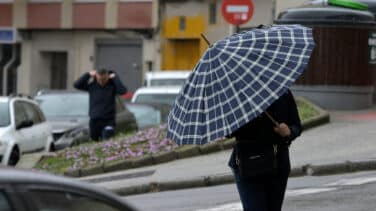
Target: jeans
{"x": 265, "y": 193}
{"x": 101, "y": 129}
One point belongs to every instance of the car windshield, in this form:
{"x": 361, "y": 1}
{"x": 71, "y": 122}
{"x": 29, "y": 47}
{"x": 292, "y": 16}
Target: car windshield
{"x": 64, "y": 105}
{"x": 146, "y": 116}
{"x": 4, "y": 114}
{"x": 167, "y": 82}
{"x": 156, "y": 98}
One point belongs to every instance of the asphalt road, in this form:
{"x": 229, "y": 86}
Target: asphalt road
{"x": 338, "y": 192}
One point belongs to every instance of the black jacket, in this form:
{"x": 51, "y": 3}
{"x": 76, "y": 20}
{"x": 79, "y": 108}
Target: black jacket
{"x": 261, "y": 129}
{"x": 102, "y": 104}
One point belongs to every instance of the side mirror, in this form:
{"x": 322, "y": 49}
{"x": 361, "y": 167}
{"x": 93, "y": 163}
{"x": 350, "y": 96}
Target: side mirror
{"x": 25, "y": 124}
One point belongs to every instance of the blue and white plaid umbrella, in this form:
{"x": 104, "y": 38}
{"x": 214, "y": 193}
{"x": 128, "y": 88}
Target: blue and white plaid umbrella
{"x": 236, "y": 80}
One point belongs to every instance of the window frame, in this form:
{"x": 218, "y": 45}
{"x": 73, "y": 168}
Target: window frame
{"x": 30, "y": 190}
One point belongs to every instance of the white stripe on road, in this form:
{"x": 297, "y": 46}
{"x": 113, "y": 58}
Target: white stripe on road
{"x": 227, "y": 207}
{"x": 305, "y": 191}
{"x": 289, "y": 193}
{"x": 353, "y": 181}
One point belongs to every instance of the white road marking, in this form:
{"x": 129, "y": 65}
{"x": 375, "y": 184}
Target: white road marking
{"x": 289, "y": 193}
{"x": 226, "y": 207}
{"x": 305, "y": 191}
{"x": 353, "y": 181}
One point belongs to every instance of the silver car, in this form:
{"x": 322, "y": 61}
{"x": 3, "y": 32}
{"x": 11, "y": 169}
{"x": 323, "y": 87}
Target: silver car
{"x": 68, "y": 114}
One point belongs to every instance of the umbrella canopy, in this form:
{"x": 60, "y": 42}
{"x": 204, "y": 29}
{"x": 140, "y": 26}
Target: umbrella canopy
{"x": 236, "y": 80}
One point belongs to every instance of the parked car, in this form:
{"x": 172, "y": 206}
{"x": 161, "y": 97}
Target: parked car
{"x": 156, "y": 95}
{"x": 22, "y": 190}
{"x": 23, "y": 128}
{"x": 166, "y": 78}
{"x": 68, "y": 113}
{"x": 149, "y": 114}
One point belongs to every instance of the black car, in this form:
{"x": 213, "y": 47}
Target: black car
{"x": 68, "y": 114}
{"x": 22, "y": 190}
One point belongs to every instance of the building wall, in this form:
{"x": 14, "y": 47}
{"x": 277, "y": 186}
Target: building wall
{"x": 282, "y": 5}
{"x": 196, "y": 13}
{"x": 73, "y": 26}
{"x": 80, "y": 45}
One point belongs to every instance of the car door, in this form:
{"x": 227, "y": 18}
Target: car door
{"x": 40, "y": 128}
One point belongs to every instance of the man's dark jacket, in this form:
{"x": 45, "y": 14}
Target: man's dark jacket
{"x": 261, "y": 129}
{"x": 102, "y": 104}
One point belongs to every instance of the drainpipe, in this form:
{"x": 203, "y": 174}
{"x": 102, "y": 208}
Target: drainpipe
{"x": 6, "y": 69}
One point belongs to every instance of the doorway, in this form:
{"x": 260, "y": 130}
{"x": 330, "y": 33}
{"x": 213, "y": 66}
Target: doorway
{"x": 58, "y": 69}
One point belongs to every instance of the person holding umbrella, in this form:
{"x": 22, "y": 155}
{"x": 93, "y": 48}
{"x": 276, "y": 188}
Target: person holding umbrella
{"x": 264, "y": 188}
{"x": 240, "y": 88}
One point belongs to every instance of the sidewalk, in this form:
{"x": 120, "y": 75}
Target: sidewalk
{"x": 344, "y": 145}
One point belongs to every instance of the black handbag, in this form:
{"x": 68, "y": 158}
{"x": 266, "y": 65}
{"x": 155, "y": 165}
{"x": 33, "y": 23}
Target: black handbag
{"x": 255, "y": 160}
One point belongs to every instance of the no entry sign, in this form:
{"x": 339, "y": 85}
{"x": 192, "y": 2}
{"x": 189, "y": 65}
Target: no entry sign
{"x": 237, "y": 12}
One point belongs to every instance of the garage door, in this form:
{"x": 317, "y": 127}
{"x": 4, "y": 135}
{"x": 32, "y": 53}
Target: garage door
{"x": 123, "y": 56}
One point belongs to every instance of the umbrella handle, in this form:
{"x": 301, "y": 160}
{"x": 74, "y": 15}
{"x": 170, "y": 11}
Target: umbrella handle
{"x": 206, "y": 40}
{"x": 271, "y": 118}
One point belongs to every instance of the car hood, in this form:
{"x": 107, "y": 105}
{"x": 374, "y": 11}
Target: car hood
{"x": 61, "y": 125}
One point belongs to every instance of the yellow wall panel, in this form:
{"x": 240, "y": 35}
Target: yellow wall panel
{"x": 191, "y": 27}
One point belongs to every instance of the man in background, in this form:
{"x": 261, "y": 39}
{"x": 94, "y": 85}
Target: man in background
{"x": 103, "y": 86}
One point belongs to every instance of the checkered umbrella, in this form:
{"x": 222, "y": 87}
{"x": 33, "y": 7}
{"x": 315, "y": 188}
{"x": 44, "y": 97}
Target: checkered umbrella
{"x": 236, "y": 80}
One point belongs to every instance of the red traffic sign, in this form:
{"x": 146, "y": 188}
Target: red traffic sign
{"x": 237, "y": 12}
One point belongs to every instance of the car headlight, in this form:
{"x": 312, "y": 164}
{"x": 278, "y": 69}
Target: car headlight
{"x": 76, "y": 133}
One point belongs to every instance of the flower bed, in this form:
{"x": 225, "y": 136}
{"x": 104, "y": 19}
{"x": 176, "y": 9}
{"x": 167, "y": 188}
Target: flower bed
{"x": 142, "y": 143}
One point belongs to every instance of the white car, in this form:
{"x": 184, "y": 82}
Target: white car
{"x": 23, "y": 128}
{"x": 166, "y": 78}
{"x": 156, "y": 95}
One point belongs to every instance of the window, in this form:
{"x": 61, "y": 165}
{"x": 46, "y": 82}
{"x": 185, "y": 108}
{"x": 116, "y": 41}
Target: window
{"x": 4, "y": 202}
{"x": 19, "y": 112}
{"x": 31, "y": 113}
{"x": 62, "y": 105}
{"x": 66, "y": 201}
{"x": 182, "y": 23}
{"x": 213, "y": 12}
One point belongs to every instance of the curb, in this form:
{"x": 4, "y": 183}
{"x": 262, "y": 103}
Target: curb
{"x": 186, "y": 151}
{"x": 306, "y": 170}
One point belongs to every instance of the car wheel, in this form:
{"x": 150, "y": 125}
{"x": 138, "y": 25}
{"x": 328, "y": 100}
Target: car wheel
{"x": 14, "y": 156}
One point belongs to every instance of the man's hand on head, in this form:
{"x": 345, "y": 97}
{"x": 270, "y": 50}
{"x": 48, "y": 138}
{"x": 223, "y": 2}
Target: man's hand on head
{"x": 93, "y": 73}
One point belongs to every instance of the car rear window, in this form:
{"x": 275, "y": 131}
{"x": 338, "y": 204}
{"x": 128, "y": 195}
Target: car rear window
{"x": 167, "y": 82}
{"x": 156, "y": 98}
{"x": 56, "y": 105}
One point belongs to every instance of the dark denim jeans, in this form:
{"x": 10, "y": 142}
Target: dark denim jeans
{"x": 102, "y": 129}
{"x": 265, "y": 193}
